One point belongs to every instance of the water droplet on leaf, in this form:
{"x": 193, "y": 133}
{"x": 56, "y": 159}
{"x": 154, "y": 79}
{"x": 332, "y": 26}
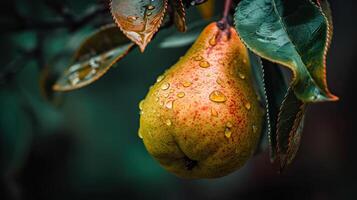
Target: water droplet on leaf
{"x": 74, "y": 79}
{"x": 132, "y": 18}
{"x": 151, "y": 7}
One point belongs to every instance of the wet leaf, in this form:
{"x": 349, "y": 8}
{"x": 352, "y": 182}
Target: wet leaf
{"x": 289, "y": 128}
{"x": 179, "y": 15}
{"x": 294, "y": 34}
{"x": 94, "y": 58}
{"x": 139, "y": 19}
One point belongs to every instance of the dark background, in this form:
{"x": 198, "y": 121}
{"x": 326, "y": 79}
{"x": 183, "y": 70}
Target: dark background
{"x": 87, "y": 148}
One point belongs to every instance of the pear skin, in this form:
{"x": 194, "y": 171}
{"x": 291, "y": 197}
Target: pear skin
{"x": 202, "y": 118}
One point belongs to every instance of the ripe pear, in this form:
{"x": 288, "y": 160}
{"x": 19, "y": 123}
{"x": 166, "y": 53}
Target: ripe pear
{"x": 202, "y": 118}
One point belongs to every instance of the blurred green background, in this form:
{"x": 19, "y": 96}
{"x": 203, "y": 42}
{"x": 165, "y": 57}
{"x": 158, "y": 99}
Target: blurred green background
{"x": 87, "y": 147}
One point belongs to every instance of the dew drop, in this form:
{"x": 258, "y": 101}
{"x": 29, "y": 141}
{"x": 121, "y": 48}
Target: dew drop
{"x": 169, "y": 104}
{"x": 165, "y": 86}
{"x": 74, "y": 79}
{"x": 168, "y": 122}
{"x": 160, "y": 78}
{"x": 229, "y": 125}
{"x": 166, "y": 95}
{"x": 140, "y": 135}
{"x": 218, "y": 97}
{"x": 247, "y": 106}
{"x": 181, "y": 95}
{"x": 220, "y": 82}
{"x": 255, "y": 128}
{"x": 141, "y": 104}
{"x": 198, "y": 58}
{"x": 214, "y": 112}
{"x": 149, "y": 14}
{"x": 132, "y": 18}
{"x": 221, "y": 61}
{"x": 204, "y": 64}
{"x": 90, "y": 74}
{"x": 186, "y": 84}
{"x": 244, "y": 61}
{"x": 213, "y": 41}
{"x": 94, "y": 62}
{"x": 228, "y": 133}
{"x": 241, "y": 75}
{"x": 151, "y": 7}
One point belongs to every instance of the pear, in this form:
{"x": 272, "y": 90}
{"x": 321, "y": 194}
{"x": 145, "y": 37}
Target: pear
{"x": 202, "y": 118}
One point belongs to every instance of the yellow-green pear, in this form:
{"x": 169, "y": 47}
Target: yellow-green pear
{"x": 202, "y": 118}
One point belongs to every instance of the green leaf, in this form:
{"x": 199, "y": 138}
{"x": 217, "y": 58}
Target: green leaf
{"x": 292, "y": 33}
{"x": 260, "y": 87}
{"x": 94, "y": 58}
{"x": 179, "y": 14}
{"x": 276, "y": 88}
{"x": 139, "y": 19}
{"x": 289, "y": 128}
{"x": 325, "y": 7}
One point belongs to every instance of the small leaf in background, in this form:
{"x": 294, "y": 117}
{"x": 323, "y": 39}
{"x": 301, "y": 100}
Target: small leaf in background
{"x": 139, "y": 19}
{"x": 293, "y": 34}
{"x": 207, "y": 9}
{"x": 289, "y": 129}
{"x": 179, "y": 14}
{"x": 94, "y": 58}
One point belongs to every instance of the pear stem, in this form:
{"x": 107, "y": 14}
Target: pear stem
{"x": 223, "y": 24}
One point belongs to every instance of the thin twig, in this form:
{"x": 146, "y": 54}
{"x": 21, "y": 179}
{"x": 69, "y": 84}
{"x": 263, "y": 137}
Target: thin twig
{"x": 223, "y": 24}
